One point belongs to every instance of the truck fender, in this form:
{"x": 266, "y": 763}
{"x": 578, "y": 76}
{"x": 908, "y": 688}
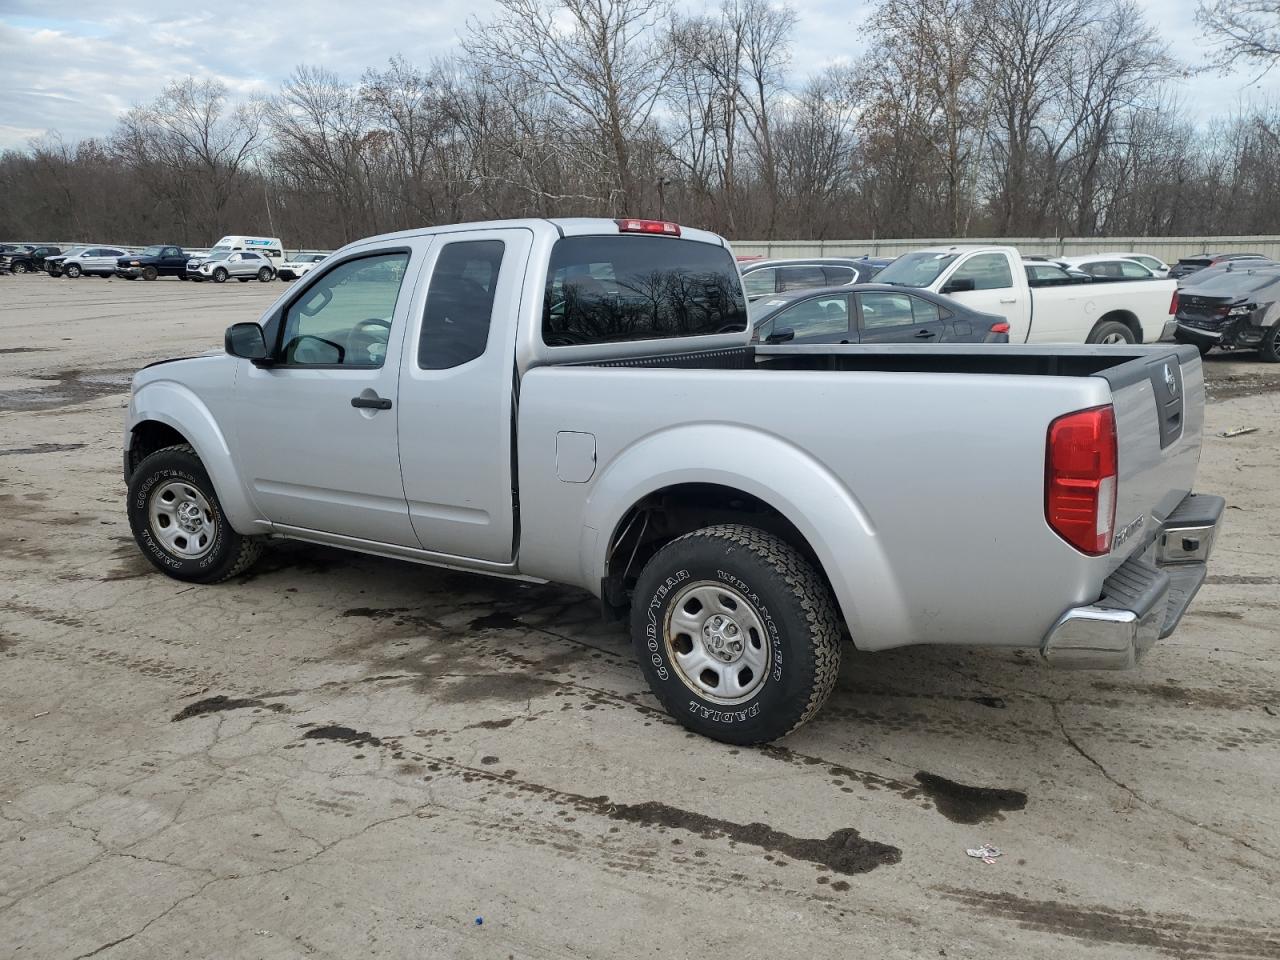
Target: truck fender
{"x": 178, "y": 407}
{"x": 772, "y": 469}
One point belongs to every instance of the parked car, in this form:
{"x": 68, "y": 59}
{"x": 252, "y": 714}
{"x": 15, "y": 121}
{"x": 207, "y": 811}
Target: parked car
{"x": 1103, "y": 267}
{"x": 299, "y": 265}
{"x": 1189, "y": 265}
{"x": 1238, "y": 308}
{"x": 91, "y": 262}
{"x": 872, "y": 313}
{"x": 29, "y": 259}
{"x": 610, "y": 426}
{"x": 762, "y": 278}
{"x": 157, "y": 260}
{"x": 994, "y": 280}
{"x": 220, "y": 267}
{"x": 53, "y": 264}
{"x": 1152, "y": 263}
{"x": 269, "y": 247}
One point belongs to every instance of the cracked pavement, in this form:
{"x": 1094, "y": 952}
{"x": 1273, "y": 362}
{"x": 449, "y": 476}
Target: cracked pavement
{"x": 339, "y": 756}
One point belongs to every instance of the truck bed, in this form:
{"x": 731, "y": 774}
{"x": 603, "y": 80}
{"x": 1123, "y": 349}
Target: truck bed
{"x": 936, "y": 454}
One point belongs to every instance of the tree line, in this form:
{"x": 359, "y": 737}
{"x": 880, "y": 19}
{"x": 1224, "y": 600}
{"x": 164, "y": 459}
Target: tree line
{"x": 962, "y": 118}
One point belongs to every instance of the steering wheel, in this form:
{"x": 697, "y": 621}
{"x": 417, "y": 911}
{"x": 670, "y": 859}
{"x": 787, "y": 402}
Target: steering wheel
{"x": 359, "y": 341}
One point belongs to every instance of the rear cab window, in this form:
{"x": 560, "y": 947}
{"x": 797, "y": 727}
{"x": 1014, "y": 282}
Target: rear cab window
{"x": 614, "y": 289}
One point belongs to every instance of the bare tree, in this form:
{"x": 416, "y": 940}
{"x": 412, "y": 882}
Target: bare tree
{"x": 1242, "y": 31}
{"x": 604, "y": 61}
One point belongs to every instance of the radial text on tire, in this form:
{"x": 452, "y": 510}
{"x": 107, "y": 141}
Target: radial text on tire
{"x": 178, "y": 522}
{"x": 737, "y": 633}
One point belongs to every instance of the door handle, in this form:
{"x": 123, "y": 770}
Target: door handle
{"x": 925, "y": 334}
{"x": 1010, "y": 300}
{"x": 371, "y": 403}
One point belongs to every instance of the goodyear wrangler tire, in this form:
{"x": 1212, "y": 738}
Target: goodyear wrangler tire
{"x": 178, "y": 522}
{"x": 737, "y": 634}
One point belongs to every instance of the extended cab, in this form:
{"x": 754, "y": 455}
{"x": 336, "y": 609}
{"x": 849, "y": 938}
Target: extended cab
{"x": 158, "y": 260}
{"x": 994, "y": 280}
{"x": 577, "y": 401}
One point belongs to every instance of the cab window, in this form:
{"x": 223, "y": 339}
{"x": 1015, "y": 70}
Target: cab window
{"x": 759, "y": 283}
{"x": 344, "y": 318}
{"x": 455, "y": 324}
{"x": 988, "y": 271}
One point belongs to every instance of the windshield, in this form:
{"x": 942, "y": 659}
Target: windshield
{"x": 217, "y": 250}
{"x": 1238, "y": 282}
{"x": 152, "y": 251}
{"x": 219, "y": 254}
{"x": 312, "y": 258}
{"x": 916, "y": 269}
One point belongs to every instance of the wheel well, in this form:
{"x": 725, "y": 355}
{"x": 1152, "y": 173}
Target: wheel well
{"x": 148, "y": 437}
{"x": 1125, "y": 317}
{"x": 671, "y": 512}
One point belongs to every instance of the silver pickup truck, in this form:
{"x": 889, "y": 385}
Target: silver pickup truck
{"x": 577, "y": 401}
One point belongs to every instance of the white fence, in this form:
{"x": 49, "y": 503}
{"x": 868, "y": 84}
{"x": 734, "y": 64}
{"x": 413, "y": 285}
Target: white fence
{"x": 1167, "y": 249}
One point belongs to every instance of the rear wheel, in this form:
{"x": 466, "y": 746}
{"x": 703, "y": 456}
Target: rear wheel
{"x": 150, "y": 273}
{"x": 736, "y": 633}
{"x": 72, "y": 270}
{"x": 178, "y": 523}
{"x": 264, "y": 275}
{"x": 1111, "y": 332}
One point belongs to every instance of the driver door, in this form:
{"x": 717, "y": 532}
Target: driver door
{"x": 316, "y": 436}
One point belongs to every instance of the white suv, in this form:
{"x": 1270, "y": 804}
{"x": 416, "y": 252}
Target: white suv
{"x": 243, "y": 265}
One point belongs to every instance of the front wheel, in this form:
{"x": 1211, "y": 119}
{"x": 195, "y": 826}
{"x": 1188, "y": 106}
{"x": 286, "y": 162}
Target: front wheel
{"x": 72, "y": 271}
{"x": 1269, "y": 352}
{"x": 220, "y": 275}
{"x": 18, "y": 267}
{"x": 737, "y": 634}
{"x": 178, "y": 523}
{"x": 150, "y": 273}
{"x": 1111, "y": 332}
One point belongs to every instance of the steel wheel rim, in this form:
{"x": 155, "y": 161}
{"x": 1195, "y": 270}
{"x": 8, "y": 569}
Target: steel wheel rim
{"x": 717, "y": 642}
{"x": 181, "y": 519}
{"x": 1113, "y": 338}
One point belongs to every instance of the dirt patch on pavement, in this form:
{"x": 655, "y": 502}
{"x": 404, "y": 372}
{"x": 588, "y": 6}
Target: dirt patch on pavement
{"x": 220, "y": 704}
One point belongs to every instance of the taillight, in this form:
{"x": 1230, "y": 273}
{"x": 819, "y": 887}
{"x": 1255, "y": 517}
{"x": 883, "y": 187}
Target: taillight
{"x": 1080, "y": 479}
{"x": 1173, "y": 304}
{"x": 1000, "y": 327}
{"x": 663, "y": 227}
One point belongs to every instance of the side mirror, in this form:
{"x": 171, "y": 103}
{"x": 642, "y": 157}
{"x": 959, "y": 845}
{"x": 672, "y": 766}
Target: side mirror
{"x": 958, "y": 285}
{"x": 245, "y": 340}
{"x": 785, "y": 335}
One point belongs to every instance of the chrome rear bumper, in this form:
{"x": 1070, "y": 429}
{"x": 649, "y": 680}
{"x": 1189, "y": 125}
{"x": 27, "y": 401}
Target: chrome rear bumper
{"x": 1144, "y": 599}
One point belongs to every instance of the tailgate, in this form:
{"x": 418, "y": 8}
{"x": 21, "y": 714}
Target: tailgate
{"x": 1159, "y": 410}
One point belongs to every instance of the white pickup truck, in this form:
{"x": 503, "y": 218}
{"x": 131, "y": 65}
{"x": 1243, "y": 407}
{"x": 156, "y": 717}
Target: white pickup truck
{"x": 578, "y": 401}
{"x": 994, "y": 280}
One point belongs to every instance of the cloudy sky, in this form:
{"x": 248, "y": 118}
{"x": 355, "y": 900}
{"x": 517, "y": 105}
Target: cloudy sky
{"x": 71, "y": 68}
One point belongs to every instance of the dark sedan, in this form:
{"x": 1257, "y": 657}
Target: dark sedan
{"x": 1189, "y": 265}
{"x": 872, "y": 313}
{"x": 1233, "y": 309}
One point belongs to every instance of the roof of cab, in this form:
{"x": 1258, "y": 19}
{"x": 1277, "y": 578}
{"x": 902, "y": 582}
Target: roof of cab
{"x": 564, "y": 226}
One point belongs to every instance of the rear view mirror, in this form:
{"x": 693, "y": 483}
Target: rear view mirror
{"x": 785, "y": 335}
{"x": 245, "y": 340}
{"x": 958, "y": 285}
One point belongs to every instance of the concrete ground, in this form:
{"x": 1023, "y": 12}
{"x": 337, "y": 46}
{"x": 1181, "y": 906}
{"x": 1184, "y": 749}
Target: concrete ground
{"x": 342, "y": 756}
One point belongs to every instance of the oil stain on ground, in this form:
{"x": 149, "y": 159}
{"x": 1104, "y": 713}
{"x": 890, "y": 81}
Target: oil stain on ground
{"x": 220, "y": 704}
{"x": 844, "y": 851}
{"x": 40, "y": 448}
{"x": 357, "y": 738}
{"x": 961, "y": 803}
